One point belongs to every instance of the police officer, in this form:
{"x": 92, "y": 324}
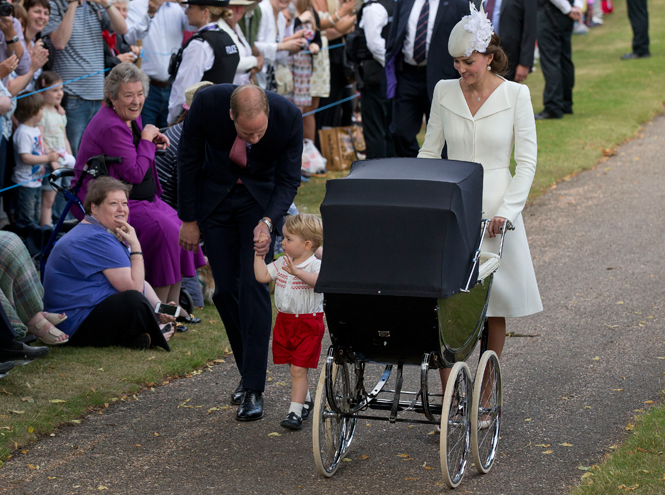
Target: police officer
{"x": 210, "y": 55}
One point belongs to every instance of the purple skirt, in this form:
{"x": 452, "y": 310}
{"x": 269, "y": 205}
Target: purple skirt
{"x": 157, "y": 226}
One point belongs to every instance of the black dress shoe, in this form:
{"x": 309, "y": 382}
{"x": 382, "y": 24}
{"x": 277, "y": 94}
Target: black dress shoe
{"x": 251, "y": 408}
{"x": 307, "y": 409}
{"x": 236, "y": 396}
{"x": 545, "y": 114}
{"x": 14, "y": 351}
{"x": 5, "y": 367}
{"x": 291, "y": 422}
{"x": 631, "y": 56}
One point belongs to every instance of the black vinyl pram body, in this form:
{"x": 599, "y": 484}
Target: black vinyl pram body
{"x": 405, "y": 283}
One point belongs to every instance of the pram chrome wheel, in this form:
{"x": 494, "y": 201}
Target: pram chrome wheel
{"x": 332, "y": 432}
{"x": 486, "y": 412}
{"x": 455, "y": 419}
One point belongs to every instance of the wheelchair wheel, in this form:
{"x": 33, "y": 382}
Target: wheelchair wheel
{"x": 332, "y": 433}
{"x": 455, "y": 419}
{"x": 186, "y": 302}
{"x": 486, "y": 412}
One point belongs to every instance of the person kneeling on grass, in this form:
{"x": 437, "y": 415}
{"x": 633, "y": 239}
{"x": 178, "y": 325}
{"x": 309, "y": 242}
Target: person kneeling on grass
{"x": 299, "y": 327}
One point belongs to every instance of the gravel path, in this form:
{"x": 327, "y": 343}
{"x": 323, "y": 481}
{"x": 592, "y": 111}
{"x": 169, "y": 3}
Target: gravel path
{"x": 575, "y": 375}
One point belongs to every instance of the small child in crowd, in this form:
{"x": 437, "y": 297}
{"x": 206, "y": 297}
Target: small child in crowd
{"x": 30, "y": 157}
{"x": 299, "y": 327}
{"x": 52, "y": 126}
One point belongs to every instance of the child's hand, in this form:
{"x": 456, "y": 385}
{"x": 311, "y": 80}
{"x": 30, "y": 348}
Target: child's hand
{"x": 262, "y": 238}
{"x": 314, "y": 48}
{"x": 289, "y": 267}
{"x": 55, "y": 165}
{"x": 52, "y": 156}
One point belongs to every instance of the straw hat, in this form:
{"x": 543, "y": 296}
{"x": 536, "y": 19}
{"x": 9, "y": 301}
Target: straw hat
{"x": 191, "y": 92}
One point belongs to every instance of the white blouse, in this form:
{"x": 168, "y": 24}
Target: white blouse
{"x": 292, "y": 295}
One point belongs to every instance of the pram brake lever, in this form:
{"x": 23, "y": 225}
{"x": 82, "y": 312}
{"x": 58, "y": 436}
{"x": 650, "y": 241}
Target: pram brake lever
{"x": 476, "y": 256}
{"x": 506, "y": 226}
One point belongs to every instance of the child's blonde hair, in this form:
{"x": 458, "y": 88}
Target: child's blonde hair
{"x": 309, "y": 227}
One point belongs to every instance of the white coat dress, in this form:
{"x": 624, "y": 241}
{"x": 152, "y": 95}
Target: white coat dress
{"x": 505, "y": 119}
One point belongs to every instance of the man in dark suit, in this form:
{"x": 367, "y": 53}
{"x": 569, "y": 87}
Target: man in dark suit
{"x": 514, "y": 21}
{"x": 639, "y": 21}
{"x": 238, "y": 171}
{"x": 418, "y": 25}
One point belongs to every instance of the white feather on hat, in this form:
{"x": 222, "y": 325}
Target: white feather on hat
{"x": 472, "y": 33}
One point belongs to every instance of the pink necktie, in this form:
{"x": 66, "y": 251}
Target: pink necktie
{"x": 239, "y": 152}
{"x": 489, "y": 9}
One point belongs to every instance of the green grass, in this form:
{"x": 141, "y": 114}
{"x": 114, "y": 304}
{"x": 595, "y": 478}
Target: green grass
{"x": 612, "y": 99}
{"x": 637, "y": 464}
{"x": 70, "y": 382}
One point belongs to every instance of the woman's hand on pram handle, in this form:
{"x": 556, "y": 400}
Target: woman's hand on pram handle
{"x": 496, "y": 226}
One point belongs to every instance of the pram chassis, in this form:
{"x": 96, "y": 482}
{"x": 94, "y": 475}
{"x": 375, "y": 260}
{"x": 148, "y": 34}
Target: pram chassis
{"x": 470, "y": 411}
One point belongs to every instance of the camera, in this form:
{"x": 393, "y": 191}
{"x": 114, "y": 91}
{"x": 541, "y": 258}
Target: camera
{"x": 6, "y": 9}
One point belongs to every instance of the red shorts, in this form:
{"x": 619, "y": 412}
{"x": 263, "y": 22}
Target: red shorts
{"x": 296, "y": 339}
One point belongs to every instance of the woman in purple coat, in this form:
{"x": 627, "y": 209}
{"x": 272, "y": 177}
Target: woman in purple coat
{"x": 116, "y": 131}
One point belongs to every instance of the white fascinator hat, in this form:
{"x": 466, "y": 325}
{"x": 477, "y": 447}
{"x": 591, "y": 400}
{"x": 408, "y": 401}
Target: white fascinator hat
{"x": 472, "y": 33}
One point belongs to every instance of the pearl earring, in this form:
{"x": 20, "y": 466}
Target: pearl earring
{"x": 489, "y": 67}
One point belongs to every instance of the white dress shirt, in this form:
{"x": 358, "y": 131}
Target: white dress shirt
{"x": 564, "y": 5}
{"x": 412, "y": 24}
{"x": 197, "y": 58}
{"x": 247, "y": 60}
{"x": 161, "y": 35}
{"x": 375, "y": 17}
{"x": 267, "y": 40}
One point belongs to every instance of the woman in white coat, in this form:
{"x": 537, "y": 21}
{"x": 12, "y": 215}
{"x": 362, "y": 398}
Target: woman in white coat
{"x": 480, "y": 116}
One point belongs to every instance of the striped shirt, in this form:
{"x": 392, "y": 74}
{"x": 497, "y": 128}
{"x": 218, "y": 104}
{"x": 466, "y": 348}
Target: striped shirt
{"x": 84, "y": 53}
{"x": 167, "y": 167}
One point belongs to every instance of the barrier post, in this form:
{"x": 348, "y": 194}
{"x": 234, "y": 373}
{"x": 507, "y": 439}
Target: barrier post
{"x": 139, "y": 43}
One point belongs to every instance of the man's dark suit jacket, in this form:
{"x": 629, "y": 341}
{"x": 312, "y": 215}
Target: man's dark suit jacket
{"x": 517, "y": 30}
{"x": 440, "y": 65}
{"x": 205, "y": 172}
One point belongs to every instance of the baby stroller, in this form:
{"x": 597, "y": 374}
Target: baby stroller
{"x": 405, "y": 283}
{"x": 95, "y": 167}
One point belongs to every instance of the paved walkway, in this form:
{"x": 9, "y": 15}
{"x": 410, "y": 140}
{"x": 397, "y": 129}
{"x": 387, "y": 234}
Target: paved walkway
{"x": 575, "y": 376}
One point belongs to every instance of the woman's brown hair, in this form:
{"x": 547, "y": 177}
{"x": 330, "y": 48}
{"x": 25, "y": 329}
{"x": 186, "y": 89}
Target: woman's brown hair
{"x": 100, "y": 188}
{"x": 500, "y": 61}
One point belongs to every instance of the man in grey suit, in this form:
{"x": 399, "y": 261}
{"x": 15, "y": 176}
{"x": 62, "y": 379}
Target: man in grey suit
{"x": 515, "y": 22}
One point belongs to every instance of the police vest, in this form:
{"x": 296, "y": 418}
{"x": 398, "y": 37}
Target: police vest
{"x": 223, "y": 69}
{"x": 356, "y": 42}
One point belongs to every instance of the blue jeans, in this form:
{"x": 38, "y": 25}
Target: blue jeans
{"x": 79, "y": 114}
{"x": 29, "y": 207}
{"x": 156, "y": 107}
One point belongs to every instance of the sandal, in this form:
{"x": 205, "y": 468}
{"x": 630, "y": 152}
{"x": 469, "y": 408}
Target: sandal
{"x": 50, "y": 336}
{"x": 55, "y": 319}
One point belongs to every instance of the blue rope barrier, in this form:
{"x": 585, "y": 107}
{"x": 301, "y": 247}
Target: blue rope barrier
{"x": 326, "y": 107}
{"x": 16, "y": 185}
{"x": 60, "y": 84}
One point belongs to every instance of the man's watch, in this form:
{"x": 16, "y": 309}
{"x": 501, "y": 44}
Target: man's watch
{"x": 268, "y": 223}
{"x": 12, "y": 40}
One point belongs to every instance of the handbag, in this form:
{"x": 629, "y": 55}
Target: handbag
{"x": 283, "y": 80}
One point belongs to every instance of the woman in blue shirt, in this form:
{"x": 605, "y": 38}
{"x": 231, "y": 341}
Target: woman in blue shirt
{"x": 96, "y": 274}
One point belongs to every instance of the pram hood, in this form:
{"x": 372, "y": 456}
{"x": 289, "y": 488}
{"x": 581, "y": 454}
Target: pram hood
{"x": 401, "y": 226}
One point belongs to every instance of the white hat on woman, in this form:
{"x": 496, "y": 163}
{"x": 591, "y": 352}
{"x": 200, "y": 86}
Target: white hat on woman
{"x": 472, "y": 33}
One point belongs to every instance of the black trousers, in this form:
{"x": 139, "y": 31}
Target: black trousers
{"x": 639, "y": 21}
{"x": 376, "y": 114}
{"x": 117, "y": 320}
{"x": 242, "y": 302}
{"x": 555, "y": 31}
{"x": 411, "y": 102}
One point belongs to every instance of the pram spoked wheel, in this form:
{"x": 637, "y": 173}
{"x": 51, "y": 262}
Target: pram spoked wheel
{"x": 486, "y": 412}
{"x": 332, "y": 431}
{"x": 455, "y": 420}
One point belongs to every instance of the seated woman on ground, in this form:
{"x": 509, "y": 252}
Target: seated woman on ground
{"x": 96, "y": 274}
{"x": 21, "y": 293}
{"x": 116, "y": 131}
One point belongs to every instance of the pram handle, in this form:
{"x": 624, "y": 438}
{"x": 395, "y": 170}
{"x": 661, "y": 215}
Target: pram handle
{"x": 476, "y": 257}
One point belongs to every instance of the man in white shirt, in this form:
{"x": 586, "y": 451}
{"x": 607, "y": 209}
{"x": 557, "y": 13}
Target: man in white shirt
{"x": 555, "y": 30}
{"x": 373, "y": 21}
{"x": 159, "y": 23}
